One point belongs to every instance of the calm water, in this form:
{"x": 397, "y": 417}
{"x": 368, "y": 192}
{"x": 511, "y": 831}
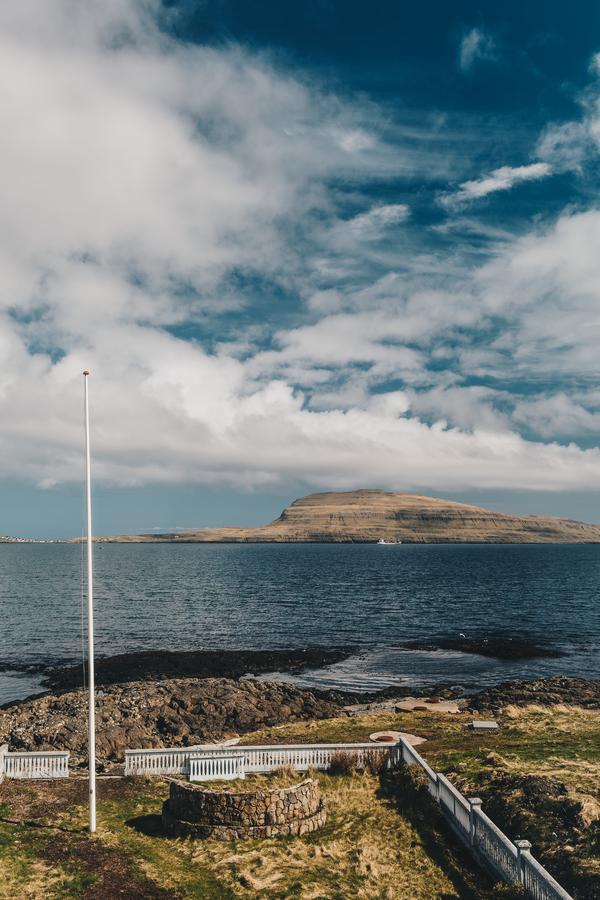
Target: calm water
{"x": 374, "y": 598}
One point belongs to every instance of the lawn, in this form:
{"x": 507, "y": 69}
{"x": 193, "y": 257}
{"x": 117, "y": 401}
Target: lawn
{"x": 368, "y": 848}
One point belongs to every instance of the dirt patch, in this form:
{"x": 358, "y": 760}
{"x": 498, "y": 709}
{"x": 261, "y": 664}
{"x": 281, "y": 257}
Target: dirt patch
{"x": 45, "y": 800}
{"x": 109, "y": 872}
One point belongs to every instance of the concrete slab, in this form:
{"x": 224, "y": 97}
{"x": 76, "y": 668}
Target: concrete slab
{"x": 484, "y": 725}
{"x": 412, "y": 739}
{"x": 403, "y": 703}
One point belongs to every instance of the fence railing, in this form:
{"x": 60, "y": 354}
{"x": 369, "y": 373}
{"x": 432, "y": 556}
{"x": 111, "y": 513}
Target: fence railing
{"x": 217, "y": 766}
{"x": 42, "y": 764}
{"x": 257, "y": 759}
{"x": 158, "y": 762}
{"x": 302, "y": 757}
{"x": 538, "y": 882}
{"x": 455, "y": 805}
{"x": 492, "y": 844}
{"x": 510, "y": 861}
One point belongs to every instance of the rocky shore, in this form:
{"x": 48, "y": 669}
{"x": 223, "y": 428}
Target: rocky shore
{"x": 144, "y": 700}
{"x": 172, "y": 712}
{"x": 583, "y": 692}
{"x": 159, "y": 664}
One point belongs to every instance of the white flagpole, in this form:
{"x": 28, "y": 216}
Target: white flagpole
{"x": 90, "y": 593}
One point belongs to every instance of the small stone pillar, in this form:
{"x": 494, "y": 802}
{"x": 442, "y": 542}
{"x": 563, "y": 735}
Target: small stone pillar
{"x": 474, "y": 803}
{"x": 523, "y": 848}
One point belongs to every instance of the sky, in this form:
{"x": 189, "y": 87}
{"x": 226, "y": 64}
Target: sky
{"x": 300, "y": 247}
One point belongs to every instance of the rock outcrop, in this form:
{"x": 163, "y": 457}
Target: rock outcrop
{"x": 367, "y": 515}
{"x": 583, "y": 692}
{"x": 174, "y": 712}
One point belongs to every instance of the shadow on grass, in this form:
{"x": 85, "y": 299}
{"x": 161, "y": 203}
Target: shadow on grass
{"x": 150, "y": 825}
{"x": 32, "y": 823}
{"x": 403, "y": 790}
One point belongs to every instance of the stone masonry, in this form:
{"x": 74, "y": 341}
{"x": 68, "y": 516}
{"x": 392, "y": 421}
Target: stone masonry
{"x": 193, "y": 811}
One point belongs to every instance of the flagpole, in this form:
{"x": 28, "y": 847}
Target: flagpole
{"x": 90, "y": 599}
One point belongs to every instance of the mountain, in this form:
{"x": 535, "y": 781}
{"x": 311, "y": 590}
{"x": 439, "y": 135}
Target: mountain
{"x": 367, "y": 515}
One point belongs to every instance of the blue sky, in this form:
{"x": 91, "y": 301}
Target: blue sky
{"x": 301, "y": 247}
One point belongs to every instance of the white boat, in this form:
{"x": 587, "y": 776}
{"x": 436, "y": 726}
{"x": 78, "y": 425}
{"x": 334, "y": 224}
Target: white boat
{"x": 388, "y": 543}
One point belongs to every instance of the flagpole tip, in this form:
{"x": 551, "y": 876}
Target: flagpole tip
{"x": 86, "y": 372}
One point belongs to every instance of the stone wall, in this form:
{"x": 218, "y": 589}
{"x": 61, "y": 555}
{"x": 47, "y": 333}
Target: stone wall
{"x": 192, "y": 811}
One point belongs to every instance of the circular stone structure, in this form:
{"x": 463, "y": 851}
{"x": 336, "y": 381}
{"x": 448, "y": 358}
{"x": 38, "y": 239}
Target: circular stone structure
{"x": 193, "y": 811}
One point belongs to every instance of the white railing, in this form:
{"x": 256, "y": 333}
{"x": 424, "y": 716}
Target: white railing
{"x": 497, "y": 850}
{"x": 42, "y": 764}
{"x": 454, "y": 805}
{"x": 407, "y": 754}
{"x": 257, "y": 759}
{"x": 302, "y": 757}
{"x": 539, "y": 883}
{"x": 158, "y": 762}
{"x": 217, "y": 766}
{"x": 511, "y": 862}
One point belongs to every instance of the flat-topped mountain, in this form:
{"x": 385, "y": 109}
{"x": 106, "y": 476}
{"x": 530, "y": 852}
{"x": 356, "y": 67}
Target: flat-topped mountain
{"x": 368, "y": 515}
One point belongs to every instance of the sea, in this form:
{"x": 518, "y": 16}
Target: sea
{"x": 373, "y": 599}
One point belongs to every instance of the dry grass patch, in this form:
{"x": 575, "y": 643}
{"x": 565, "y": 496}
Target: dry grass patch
{"x": 365, "y": 850}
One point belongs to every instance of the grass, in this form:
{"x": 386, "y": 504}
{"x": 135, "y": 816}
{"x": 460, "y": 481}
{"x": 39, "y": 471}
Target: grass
{"x": 366, "y": 849}
{"x": 374, "y": 845}
{"x": 560, "y": 741}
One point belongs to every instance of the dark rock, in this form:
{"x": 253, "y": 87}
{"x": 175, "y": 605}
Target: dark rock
{"x": 495, "y": 646}
{"x": 147, "y": 714}
{"x": 158, "y": 664}
{"x": 583, "y": 692}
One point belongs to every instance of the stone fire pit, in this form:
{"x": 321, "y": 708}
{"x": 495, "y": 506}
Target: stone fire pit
{"x": 193, "y": 811}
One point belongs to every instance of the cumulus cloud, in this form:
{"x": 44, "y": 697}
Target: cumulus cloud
{"x": 502, "y": 179}
{"x": 557, "y": 414}
{"x": 142, "y": 177}
{"x": 476, "y": 46}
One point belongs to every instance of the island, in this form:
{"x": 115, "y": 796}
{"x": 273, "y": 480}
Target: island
{"x": 367, "y": 516}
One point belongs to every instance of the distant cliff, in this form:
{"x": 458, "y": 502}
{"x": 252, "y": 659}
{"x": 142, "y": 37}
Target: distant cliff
{"x": 367, "y": 515}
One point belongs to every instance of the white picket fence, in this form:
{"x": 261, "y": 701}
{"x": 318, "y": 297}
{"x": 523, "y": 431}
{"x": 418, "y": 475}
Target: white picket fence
{"x": 512, "y": 862}
{"x": 39, "y": 764}
{"x": 217, "y": 766}
{"x": 256, "y": 759}
{"x": 159, "y": 762}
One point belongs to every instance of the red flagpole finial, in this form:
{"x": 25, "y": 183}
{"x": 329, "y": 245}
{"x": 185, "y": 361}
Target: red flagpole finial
{"x": 86, "y": 372}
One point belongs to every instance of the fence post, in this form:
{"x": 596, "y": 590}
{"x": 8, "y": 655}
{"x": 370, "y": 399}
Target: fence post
{"x": 474, "y": 803}
{"x": 522, "y": 848}
{"x": 3, "y": 752}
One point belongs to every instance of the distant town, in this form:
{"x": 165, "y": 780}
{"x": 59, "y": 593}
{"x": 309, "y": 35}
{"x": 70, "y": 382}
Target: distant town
{"x": 7, "y": 539}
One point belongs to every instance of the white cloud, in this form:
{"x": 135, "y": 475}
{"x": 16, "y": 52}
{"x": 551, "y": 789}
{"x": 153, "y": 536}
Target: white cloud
{"x": 476, "y": 46}
{"x": 557, "y": 415}
{"x": 501, "y": 179}
{"x": 370, "y": 224}
{"x": 138, "y": 174}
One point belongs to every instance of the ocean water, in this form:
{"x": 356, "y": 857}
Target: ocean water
{"x": 372, "y": 598}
